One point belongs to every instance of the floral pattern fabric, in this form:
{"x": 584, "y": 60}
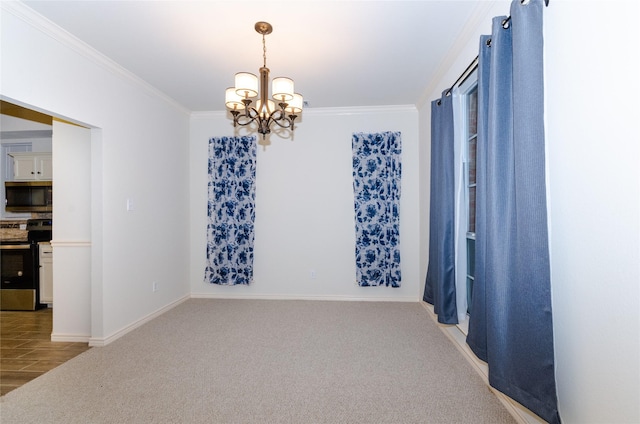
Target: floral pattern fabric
{"x": 231, "y": 210}
{"x": 376, "y": 185}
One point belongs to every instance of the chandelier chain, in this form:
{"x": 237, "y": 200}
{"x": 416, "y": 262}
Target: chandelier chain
{"x": 264, "y": 51}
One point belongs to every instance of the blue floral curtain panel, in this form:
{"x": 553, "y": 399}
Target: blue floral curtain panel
{"x": 231, "y": 210}
{"x": 510, "y": 324}
{"x": 376, "y": 185}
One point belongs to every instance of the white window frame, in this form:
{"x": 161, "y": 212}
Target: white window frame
{"x": 462, "y": 136}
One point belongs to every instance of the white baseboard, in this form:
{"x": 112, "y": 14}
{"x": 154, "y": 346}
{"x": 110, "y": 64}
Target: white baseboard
{"x": 76, "y": 338}
{"x": 302, "y": 297}
{"x": 100, "y": 342}
{"x": 521, "y": 414}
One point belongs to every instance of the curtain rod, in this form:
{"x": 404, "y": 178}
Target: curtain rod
{"x": 463, "y": 76}
{"x": 472, "y": 67}
{"x": 474, "y": 63}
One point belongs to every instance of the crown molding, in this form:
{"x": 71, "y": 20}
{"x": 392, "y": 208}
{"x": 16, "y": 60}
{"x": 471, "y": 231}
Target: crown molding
{"x": 478, "y": 17}
{"x": 324, "y": 111}
{"x": 359, "y": 110}
{"x": 39, "y": 22}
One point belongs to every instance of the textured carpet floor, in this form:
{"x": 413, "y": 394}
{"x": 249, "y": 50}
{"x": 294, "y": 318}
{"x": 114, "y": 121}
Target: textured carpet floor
{"x": 266, "y": 361}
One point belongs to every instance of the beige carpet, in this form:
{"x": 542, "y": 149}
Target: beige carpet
{"x": 266, "y": 361}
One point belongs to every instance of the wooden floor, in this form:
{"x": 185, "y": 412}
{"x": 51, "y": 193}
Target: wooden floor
{"x": 26, "y": 349}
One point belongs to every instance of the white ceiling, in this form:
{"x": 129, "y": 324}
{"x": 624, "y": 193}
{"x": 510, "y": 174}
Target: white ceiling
{"x": 339, "y": 53}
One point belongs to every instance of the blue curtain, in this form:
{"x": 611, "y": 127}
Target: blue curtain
{"x": 376, "y": 185}
{"x": 510, "y": 315}
{"x": 231, "y": 210}
{"x": 440, "y": 286}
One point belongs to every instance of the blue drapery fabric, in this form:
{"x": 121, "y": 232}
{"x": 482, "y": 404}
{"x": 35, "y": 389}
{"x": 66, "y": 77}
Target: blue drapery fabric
{"x": 231, "y": 210}
{"x": 377, "y": 171}
{"x": 510, "y": 323}
{"x": 440, "y": 286}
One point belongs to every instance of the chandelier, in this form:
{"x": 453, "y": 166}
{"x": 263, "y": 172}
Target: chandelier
{"x": 265, "y": 113}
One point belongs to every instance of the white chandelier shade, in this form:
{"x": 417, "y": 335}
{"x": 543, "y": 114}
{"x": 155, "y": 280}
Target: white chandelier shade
{"x": 246, "y": 84}
{"x": 282, "y": 89}
{"x": 232, "y": 99}
{"x": 295, "y": 105}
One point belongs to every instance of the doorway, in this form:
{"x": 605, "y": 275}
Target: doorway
{"x": 72, "y": 222}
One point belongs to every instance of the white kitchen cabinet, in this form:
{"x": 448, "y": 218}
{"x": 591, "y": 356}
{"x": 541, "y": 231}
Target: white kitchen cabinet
{"x": 46, "y": 273}
{"x": 28, "y": 166}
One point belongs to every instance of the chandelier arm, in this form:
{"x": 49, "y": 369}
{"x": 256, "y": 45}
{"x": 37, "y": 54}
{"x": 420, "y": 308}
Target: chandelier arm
{"x": 247, "y": 106}
{"x": 243, "y": 124}
{"x": 284, "y": 122}
{"x": 246, "y": 118}
{"x": 283, "y": 106}
{"x": 278, "y": 115}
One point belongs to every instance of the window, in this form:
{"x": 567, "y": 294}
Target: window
{"x": 471, "y": 106}
{"x": 466, "y": 129}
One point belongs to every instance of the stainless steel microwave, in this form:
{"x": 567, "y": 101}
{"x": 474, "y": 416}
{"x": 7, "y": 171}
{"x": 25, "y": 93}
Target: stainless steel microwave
{"x": 28, "y": 196}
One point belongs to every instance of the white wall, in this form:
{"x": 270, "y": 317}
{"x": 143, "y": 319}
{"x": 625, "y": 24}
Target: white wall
{"x": 304, "y": 207}
{"x": 139, "y": 151}
{"x": 71, "y": 242}
{"x": 592, "y": 87}
{"x": 592, "y": 91}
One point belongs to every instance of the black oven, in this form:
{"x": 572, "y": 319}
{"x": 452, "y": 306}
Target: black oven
{"x": 19, "y": 289}
{"x": 20, "y": 268}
